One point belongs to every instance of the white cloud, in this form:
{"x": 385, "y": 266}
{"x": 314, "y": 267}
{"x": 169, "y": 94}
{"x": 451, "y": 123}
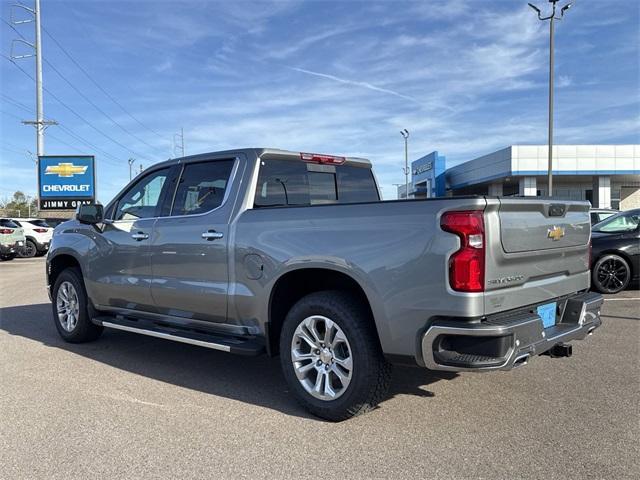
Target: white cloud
{"x": 164, "y": 66}
{"x": 355, "y": 83}
{"x": 564, "y": 81}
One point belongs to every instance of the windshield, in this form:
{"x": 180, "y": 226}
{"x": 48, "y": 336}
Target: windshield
{"x": 623, "y": 222}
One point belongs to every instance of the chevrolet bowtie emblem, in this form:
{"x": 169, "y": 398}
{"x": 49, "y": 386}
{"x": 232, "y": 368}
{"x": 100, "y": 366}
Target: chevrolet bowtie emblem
{"x": 555, "y": 233}
{"x": 65, "y": 170}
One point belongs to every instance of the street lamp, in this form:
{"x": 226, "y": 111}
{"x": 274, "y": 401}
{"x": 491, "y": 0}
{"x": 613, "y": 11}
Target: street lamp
{"x": 551, "y": 18}
{"x": 131, "y": 161}
{"x": 405, "y": 135}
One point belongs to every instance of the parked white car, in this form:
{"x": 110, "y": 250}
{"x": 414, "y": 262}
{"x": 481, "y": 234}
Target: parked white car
{"x": 11, "y": 239}
{"x": 37, "y": 236}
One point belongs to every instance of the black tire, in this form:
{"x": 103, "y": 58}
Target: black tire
{"x": 84, "y": 330}
{"x": 6, "y": 258}
{"x": 371, "y": 374}
{"x": 29, "y": 250}
{"x": 611, "y": 274}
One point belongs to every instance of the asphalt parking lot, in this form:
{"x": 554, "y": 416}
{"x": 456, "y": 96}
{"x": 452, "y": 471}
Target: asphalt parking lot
{"x": 128, "y": 406}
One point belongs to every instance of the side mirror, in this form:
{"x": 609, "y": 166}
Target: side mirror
{"x": 90, "y": 214}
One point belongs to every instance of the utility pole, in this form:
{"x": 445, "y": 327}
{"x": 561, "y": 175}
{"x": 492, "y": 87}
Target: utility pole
{"x": 131, "y": 161}
{"x": 40, "y": 123}
{"x": 178, "y": 147}
{"x": 39, "y": 106}
{"x": 405, "y": 135}
{"x": 551, "y": 19}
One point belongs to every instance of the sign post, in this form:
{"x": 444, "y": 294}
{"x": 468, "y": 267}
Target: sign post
{"x": 66, "y": 181}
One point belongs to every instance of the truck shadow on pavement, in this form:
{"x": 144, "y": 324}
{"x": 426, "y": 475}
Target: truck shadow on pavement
{"x": 254, "y": 380}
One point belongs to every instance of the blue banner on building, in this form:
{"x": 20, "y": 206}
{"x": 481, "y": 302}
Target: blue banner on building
{"x": 64, "y": 182}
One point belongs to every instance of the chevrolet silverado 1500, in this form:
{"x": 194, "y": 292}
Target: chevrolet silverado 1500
{"x": 267, "y": 251}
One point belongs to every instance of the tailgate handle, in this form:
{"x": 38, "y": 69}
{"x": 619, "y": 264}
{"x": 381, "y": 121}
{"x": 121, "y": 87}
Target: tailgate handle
{"x": 556, "y": 210}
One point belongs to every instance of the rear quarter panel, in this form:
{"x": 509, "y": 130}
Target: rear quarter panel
{"x": 394, "y": 250}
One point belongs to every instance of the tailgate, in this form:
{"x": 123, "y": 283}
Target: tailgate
{"x": 530, "y": 225}
{"x": 537, "y": 250}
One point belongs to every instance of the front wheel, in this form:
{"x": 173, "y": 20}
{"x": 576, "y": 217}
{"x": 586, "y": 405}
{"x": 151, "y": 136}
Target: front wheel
{"x": 611, "y": 274}
{"x": 6, "y": 258}
{"x": 70, "y": 308}
{"x": 331, "y": 358}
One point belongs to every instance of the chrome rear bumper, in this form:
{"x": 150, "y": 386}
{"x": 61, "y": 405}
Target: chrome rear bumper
{"x": 508, "y": 340}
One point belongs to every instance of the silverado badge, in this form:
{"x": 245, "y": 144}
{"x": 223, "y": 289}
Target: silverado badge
{"x": 555, "y": 233}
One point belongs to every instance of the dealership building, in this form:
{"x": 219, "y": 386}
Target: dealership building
{"x": 606, "y": 175}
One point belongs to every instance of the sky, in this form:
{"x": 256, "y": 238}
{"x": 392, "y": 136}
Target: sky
{"x": 344, "y": 77}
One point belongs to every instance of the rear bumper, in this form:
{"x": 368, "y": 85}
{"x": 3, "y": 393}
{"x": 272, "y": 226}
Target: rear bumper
{"x": 508, "y": 340}
{"x": 11, "y": 248}
{"x": 42, "y": 245}
{"x": 7, "y": 249}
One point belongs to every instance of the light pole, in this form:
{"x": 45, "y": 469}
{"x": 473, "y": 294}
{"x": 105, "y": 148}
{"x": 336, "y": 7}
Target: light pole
{"x": 405, "y": 135}
{"x": 131, "y": 162}
{"x": 551, "y": 19}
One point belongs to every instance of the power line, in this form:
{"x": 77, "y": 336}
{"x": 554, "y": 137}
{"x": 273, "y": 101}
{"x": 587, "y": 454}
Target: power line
{"x": 9, "y": 114}
{"x": 97, "y": 84}
{"x": 16, "y": 103}
{"x": 79, "y": 92}
{"x": 82, "y": 95}
{"x": 12, "y": 150}
{"x": 100, "y": 110}
{"x": 63, "y": 127}
{"x": 72, "y": 110}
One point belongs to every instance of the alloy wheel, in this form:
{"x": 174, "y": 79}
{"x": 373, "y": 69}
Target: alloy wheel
{"x": 321, "y": 357}
{"x": 67, "y": 305}
{"x": 29, "y": 250}
{"x": 612, "y": 275}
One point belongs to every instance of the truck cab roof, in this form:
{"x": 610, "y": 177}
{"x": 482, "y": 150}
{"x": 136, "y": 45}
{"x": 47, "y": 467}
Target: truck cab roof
{"x": 262, "y": 151}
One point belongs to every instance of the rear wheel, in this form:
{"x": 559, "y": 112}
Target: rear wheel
{"x": 29, "y": 250}
{"x": 611, "y": 274}
{"x": 331, "y": 357}
{"x": 70, "y": 308}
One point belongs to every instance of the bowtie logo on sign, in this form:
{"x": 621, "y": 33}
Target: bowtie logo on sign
{"x": 65, "y": 170}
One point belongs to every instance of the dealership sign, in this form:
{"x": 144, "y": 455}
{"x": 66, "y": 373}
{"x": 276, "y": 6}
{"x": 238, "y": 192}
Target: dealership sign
{"x": 425, "y": 167}
{"x": 65, "y": 181}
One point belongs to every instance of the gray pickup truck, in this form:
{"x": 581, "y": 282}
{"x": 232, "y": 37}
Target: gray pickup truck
{"x": 267, "y": 251}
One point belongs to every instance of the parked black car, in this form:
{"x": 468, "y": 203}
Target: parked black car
{"x": 616, "y": 252}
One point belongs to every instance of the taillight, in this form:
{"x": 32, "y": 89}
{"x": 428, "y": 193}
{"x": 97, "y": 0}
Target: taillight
{"x": 466, "y": 265}
{"x": 324, "y": 159}
{"x": 40, "y": 230}
{"x": 6, "y": 231}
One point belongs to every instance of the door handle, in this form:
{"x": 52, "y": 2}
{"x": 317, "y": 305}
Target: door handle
{"x": 212, "y": 235}
{"x": 140, "y": 236}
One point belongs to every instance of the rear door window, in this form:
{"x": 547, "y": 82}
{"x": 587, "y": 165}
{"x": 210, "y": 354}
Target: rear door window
{"x": 297, "y": 183}
{"x": 202, "y": 187}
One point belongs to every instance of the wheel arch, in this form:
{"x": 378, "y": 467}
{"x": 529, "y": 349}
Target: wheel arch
{"x": 294, "y": 284}
{"x": 60, "y": 262}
